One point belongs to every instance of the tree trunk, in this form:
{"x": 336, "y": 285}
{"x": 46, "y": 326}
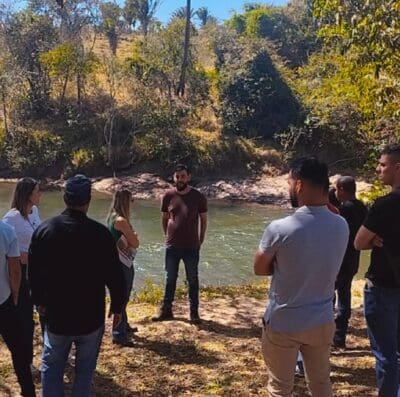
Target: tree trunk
{"x": 3, "y": 98}
{"x": 182, "y": 80}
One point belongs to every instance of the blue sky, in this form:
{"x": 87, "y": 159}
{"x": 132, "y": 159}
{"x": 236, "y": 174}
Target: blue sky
{"x": 219, "y": 8}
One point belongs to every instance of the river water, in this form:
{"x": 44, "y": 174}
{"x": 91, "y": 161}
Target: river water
{"x": 233, "y": 235}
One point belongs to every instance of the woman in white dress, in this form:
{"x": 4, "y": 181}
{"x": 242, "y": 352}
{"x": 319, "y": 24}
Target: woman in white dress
{"x": 24, "y": 218}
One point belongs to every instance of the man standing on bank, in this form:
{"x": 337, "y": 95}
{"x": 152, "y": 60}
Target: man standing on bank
{"x": 303, "y": 253}
{"x": 182, "y": 208}
{"x": 381, "y": 233}
{"x": 354, "y": 211}
{"x": 72, "y": 258}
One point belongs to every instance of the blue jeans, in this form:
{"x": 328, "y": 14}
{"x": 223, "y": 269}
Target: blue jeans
{"x": 190, "y": 259}
{"x": 343, "y": 290}
{"x": 382, "y": 313}
{"x": 55, "y": 356}
{"x": 120, "y": 331}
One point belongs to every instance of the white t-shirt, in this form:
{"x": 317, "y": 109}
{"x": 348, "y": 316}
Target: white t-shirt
{"x": 8, "y": 248}
{"x": 24, "y": 228}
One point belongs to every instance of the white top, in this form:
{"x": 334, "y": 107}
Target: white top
{"x": 8, "y": 248}
{"x": 24, "y": 228}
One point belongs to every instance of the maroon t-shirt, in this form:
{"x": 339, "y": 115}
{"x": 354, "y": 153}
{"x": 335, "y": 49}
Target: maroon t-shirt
{"x": 183, "y": 222}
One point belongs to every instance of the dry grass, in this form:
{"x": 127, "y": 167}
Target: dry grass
{"x": 219, "y": 357}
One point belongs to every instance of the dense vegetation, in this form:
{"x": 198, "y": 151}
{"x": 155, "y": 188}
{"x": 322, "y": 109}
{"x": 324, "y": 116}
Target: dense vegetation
{"x": 88, "y": 85}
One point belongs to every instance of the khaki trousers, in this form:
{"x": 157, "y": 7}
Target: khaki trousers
{"x": 280, "y": 354}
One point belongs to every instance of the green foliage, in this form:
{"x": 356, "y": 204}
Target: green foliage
{"x": 255, "y": 100}
{"x": 32, "y": 152}
{"x": 372, "y": 27}
{"x": 377, "y": 190}
{"x": 82, "y": 158}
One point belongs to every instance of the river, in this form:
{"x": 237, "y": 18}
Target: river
{"x": 233, "y": 235}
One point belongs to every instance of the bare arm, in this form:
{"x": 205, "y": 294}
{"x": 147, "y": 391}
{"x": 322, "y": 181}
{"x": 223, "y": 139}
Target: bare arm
{"x": 164, "y": 222}
{"x": 203, "y": 226}
{"x": 263, "y": 264}
{"x": 14, "y": 269}
{"x": 365, "y": 239}
{"x": 122, "y": 225}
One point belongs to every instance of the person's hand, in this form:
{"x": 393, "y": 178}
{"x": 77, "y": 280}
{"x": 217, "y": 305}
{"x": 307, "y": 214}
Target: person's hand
{"x": 377, "y": 241}
{"x": 15, "y": 299}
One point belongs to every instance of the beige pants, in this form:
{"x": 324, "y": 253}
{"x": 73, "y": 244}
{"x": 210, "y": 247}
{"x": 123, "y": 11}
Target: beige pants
{"x": 280, "y": 354}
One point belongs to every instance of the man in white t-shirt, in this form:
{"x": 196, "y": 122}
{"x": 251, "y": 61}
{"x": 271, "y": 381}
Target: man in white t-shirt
{"x": 10, "y": 328}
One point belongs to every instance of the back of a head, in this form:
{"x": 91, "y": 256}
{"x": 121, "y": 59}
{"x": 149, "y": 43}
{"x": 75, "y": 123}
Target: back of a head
{"x": 311, "y": 170}
{"x": 120, "y": 203}
{"x": 347, "y": 183}
{"x": 77, "y": 191}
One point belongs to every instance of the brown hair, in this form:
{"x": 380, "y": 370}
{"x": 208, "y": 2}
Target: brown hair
{"x": 22, "y": 192}
{"x": 120, "y": 205}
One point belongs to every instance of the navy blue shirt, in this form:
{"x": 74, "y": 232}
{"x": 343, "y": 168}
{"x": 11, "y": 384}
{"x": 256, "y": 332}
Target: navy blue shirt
{"x": 72, "y": 258}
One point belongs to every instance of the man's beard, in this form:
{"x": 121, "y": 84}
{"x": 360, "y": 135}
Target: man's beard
{"x": 180, "y": 186}
{"x": 293, "y": 199}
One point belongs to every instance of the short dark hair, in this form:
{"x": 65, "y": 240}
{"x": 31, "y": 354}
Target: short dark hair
{"x": 392, "y": 150}
{"x": 347, "y": 183}
{"x": 182, "y": 167}
{"x": 311, "y": 170}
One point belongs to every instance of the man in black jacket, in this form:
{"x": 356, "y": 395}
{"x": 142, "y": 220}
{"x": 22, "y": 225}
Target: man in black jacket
{"x": 354, "y": 211}
{"x": 72, "y": 258}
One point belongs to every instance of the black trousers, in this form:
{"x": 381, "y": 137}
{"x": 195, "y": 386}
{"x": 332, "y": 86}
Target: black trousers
{"x": 25, "y": 313}
{"x": 11, "y": 331}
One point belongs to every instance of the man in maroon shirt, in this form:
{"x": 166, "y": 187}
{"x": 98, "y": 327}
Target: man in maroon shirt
{"x": 182, "y": 207}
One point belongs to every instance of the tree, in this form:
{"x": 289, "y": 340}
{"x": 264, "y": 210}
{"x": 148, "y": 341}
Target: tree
{"x": 182, "y": 80}
{"x": 111, "y": 14}
{"x": 204, "y": 16}
{"x": 142, "y": 11}
{"x": 27, "y": 35}
{"x": 372, "y": 27}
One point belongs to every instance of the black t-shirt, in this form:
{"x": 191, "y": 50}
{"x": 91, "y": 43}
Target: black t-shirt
{"x": 72, "y": 258}
{"x": 384, "y": 219}
{"x": 354, "y": 211}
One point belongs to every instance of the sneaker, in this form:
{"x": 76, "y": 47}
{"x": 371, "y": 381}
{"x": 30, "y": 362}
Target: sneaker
{"x": 194, "y": 317}
{"x": 299, "y": 371}
{"x": 123, "y": 343}
{"x": 164, "y": 315}
{"x": 131, "y": 330}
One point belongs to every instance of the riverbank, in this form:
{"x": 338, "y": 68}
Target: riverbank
{"x": 220, "y": 357}
{"x": 260, "y": 189}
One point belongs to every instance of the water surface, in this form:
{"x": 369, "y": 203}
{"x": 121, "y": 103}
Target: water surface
{"x": 234, "y": 232}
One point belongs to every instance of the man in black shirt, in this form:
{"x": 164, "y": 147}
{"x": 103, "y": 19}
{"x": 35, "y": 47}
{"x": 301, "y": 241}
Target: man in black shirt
{"x": 381, "y": 233}
{"x": 354, "y": 211}
{"x": 72, "y": 258}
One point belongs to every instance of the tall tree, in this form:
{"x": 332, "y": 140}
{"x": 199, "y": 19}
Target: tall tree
{"x": 111, "y": 13}
{"x": 204, "y": 16}
{"x": 142, "y": 11}
{"x": 182, "y": 80}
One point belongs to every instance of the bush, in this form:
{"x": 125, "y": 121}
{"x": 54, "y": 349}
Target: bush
{"x": 32, "y": 152}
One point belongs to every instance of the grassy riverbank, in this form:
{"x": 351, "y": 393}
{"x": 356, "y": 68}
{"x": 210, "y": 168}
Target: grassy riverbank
{"x": 219, "y": 357}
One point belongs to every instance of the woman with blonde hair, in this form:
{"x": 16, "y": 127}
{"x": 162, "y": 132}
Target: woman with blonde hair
{"x": 24, "y": 218}
{"x": 120, "y": 226}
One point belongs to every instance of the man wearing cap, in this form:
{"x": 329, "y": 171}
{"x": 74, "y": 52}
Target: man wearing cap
{"x": 71, "y": 260}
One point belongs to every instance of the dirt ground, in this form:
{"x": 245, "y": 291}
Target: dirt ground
{"x": 221, "y": 356}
